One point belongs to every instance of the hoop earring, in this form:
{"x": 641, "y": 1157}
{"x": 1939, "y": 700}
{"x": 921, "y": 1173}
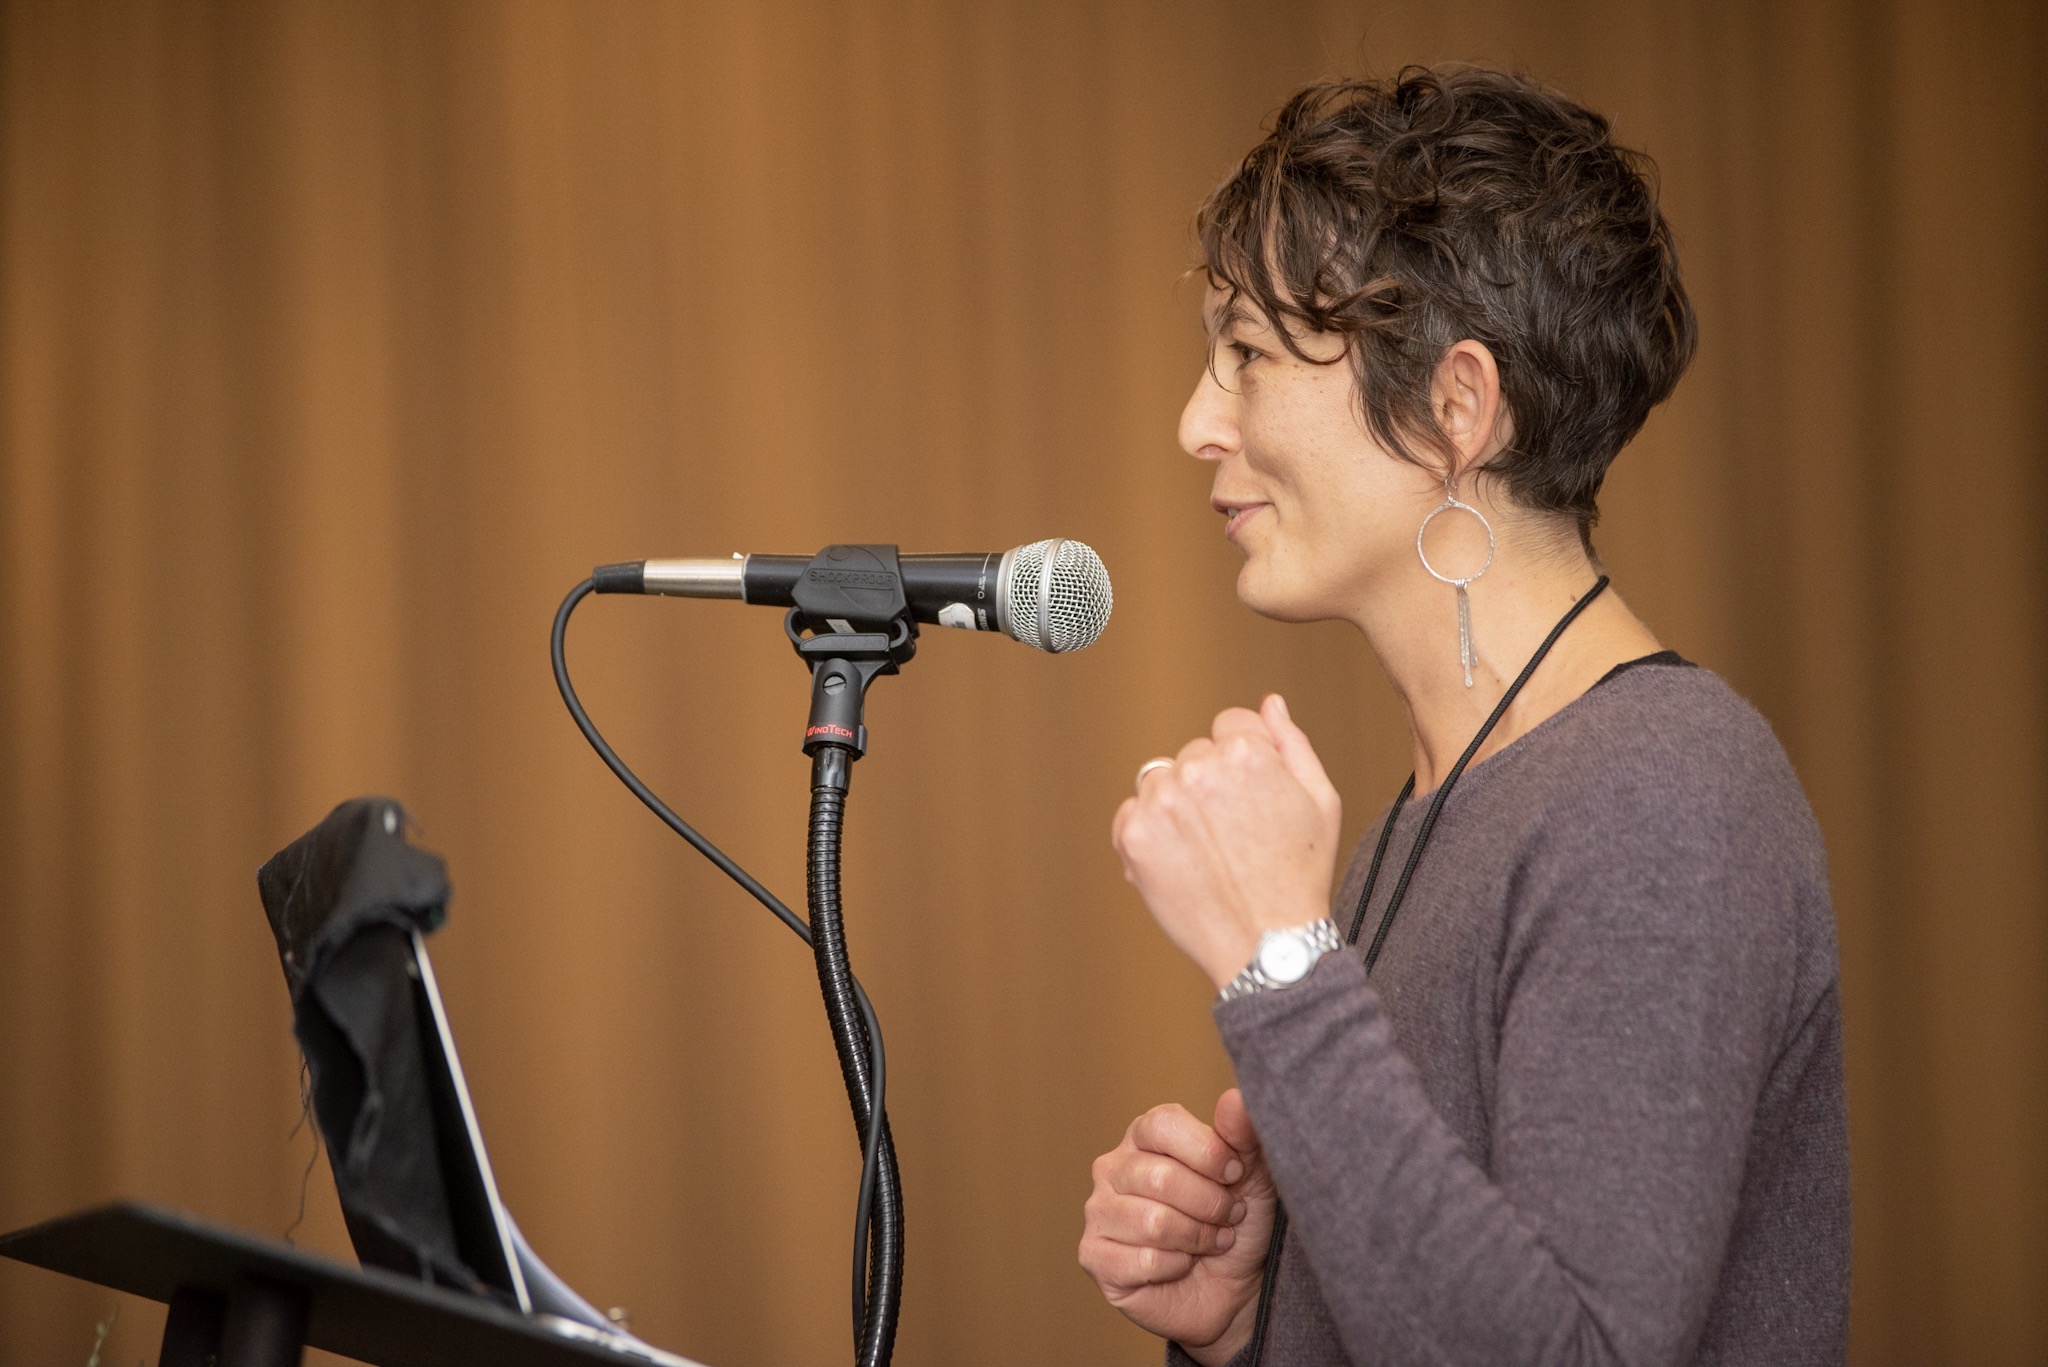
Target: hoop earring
{"x": 1467, "y": 657}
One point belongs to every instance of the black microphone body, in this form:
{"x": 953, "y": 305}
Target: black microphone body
{"x": 931, "y": 583}
{"x": 1053, "y": 595}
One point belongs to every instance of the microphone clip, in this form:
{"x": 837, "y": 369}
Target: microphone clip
{"x": 851, "y": 599}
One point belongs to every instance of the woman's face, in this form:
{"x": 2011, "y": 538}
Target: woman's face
{"x": 1322, "y": 513}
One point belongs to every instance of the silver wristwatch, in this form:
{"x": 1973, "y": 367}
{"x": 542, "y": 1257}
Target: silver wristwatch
{"x": 1284, "y": 958}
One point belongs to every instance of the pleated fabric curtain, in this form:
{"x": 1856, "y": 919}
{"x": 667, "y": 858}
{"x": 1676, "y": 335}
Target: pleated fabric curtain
{"x": 337, "y": 340}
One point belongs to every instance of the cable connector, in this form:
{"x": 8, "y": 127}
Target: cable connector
{"x": 626, "y": 577}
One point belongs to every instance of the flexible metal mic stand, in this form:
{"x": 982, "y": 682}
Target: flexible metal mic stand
{"x": 853, "y": 600}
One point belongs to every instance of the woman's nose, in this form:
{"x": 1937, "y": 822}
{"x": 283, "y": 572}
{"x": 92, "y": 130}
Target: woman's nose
{"x": 1208, "y": 425}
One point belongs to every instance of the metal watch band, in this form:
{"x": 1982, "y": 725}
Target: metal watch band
{"x": 1321, "y": 937}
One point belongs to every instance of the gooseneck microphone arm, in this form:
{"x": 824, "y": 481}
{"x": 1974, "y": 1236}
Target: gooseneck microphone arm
{"x": 878, "y": 1279}
{"x": 851, "y": 602}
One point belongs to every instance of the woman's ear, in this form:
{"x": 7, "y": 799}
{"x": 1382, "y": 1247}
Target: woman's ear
{"x": 1470, "y": 411}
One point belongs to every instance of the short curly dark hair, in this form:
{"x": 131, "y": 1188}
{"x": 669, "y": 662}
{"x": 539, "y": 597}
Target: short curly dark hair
{"x": 1447, "y": 203}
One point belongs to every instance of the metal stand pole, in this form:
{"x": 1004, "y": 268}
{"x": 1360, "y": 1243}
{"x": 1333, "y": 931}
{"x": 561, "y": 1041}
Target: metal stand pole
{"x": 257, "y": 1324}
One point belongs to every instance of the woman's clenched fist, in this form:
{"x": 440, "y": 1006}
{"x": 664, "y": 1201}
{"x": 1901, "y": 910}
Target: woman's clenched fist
{"x": 1175, "y": 1231}
{"x": 1237, "y": 837}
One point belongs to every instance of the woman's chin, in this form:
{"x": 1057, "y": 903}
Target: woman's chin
{"x": 1269, "y": 595}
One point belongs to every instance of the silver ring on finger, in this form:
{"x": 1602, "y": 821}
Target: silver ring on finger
{"x": 1138, "y": 783}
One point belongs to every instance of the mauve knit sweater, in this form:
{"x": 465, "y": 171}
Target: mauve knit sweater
{"x": 1589, "y": 1107}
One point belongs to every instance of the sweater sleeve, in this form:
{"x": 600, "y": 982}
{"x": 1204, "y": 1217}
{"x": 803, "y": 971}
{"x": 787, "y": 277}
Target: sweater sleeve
{"x": 1638, "y": 997}
{"x": 1177, "y": 1356}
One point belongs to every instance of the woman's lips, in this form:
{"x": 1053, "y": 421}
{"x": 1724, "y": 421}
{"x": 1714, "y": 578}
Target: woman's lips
{"x": 1238, "y": 516}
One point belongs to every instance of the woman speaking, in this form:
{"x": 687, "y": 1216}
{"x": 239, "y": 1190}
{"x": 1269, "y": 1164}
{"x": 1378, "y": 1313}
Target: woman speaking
{"x": 1554, "y": 1075}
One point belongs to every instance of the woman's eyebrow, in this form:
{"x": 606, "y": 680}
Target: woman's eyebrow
{"x": 1233, "y": 314}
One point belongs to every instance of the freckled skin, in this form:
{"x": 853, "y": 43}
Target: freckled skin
{"x": 1338, "y": 512}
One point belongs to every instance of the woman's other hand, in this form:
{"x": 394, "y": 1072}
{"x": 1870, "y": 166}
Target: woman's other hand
{"x": 1175, "y": 1231}
{"x": 1238, "y": 837}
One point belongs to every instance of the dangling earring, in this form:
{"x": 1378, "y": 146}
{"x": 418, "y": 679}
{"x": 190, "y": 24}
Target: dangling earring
{"x": 1467, "y": 657}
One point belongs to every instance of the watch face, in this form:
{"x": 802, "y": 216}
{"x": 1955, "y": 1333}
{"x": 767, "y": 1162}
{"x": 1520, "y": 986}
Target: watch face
{"x": 1284, "y": 957}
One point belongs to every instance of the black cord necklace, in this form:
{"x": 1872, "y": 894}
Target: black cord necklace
{"x": 1372, "y": 877}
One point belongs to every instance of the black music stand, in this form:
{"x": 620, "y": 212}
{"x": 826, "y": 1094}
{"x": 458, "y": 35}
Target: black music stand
{"x": 447, "y": 1277}
{"x": 240, "y": 1301}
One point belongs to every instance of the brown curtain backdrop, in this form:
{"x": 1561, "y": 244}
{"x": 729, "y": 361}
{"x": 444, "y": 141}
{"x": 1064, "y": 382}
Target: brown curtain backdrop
{"x": 337, "y": 340}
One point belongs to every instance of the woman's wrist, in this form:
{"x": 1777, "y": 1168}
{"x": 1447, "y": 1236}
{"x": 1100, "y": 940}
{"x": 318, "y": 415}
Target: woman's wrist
{"x": 1235, "y": 950}
{"x": 1232, "y": 1340}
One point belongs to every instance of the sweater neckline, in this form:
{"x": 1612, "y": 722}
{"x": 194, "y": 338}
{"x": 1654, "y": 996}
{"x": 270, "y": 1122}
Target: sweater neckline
{"x": 1658, "y": 658}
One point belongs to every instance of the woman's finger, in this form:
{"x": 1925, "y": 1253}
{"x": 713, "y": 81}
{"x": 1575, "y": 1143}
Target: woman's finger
{"x": 1173, "y": 1131}
{"x": 1172, "y": 1183}
{"x": 1239, "y": 721}
{"x": 1234, "y": 1123}
{"x": 1126, "y": 1265}
{"x": 1295, "y": 750}
{"x": 1140, "y": 1222}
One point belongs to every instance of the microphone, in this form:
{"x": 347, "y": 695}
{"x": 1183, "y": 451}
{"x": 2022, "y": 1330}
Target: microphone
{"x": 1052, "y": 595}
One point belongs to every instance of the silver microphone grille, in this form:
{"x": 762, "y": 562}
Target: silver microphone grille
{"x": 1054, "y": 595}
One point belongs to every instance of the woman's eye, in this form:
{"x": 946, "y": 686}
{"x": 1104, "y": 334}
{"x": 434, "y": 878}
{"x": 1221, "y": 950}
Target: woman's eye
{"x": 1245, "y": 354}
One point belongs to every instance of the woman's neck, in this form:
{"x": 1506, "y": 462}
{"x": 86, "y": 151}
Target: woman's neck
{"x": 1412, "y": 626}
